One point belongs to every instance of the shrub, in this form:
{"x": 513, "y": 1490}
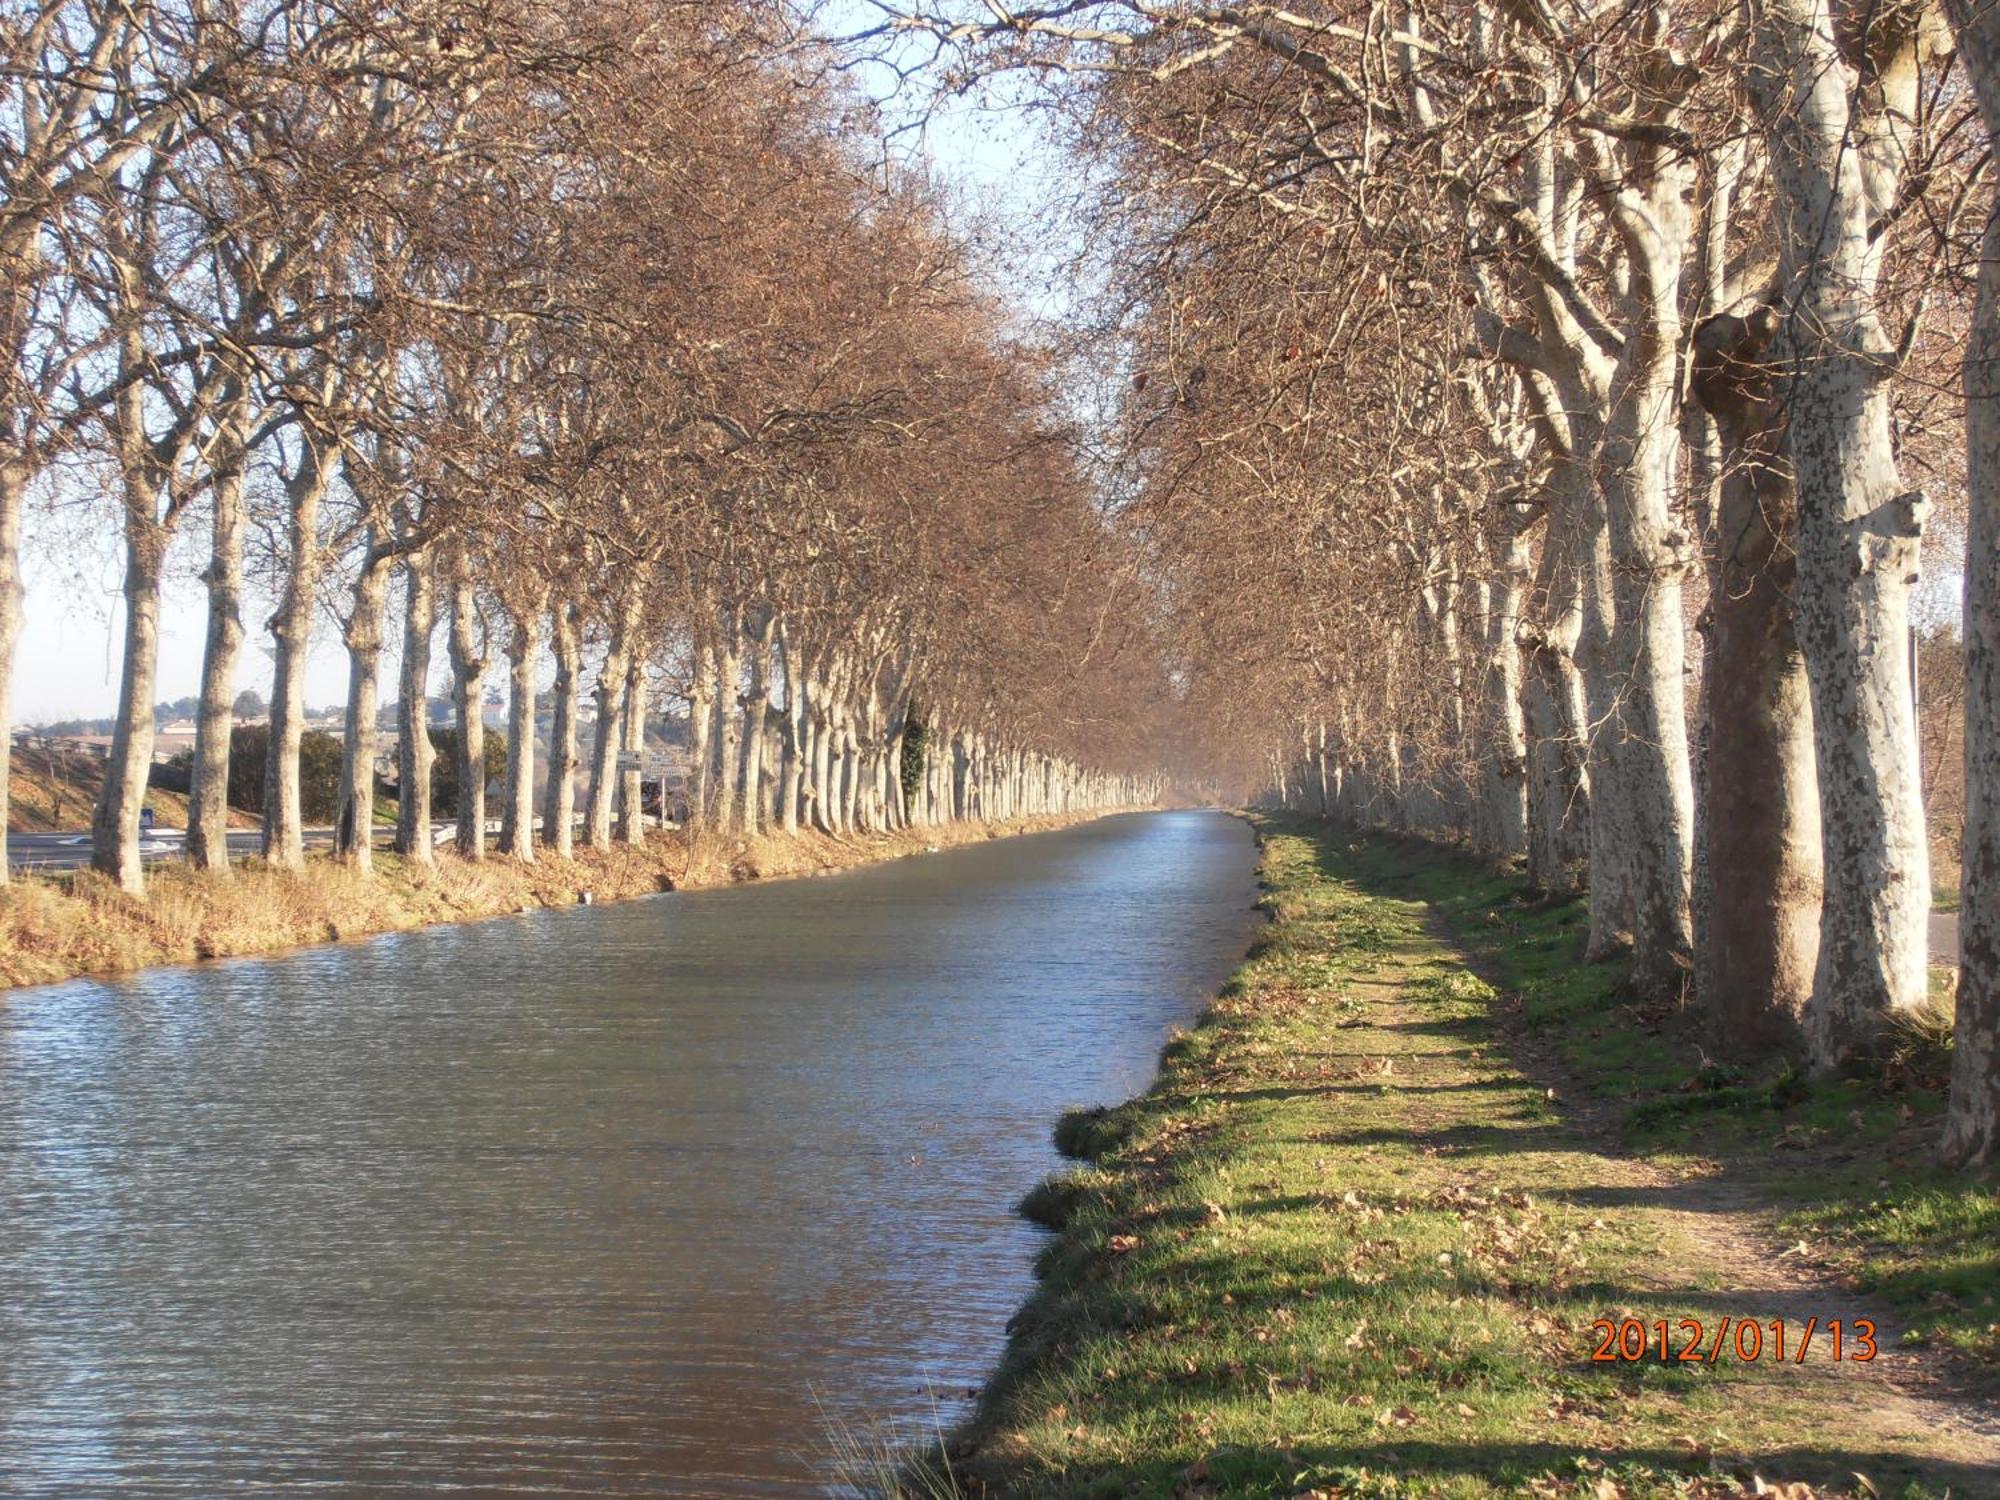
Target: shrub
{"x": 319, "y": 771}
{"x": 444, "y": 770}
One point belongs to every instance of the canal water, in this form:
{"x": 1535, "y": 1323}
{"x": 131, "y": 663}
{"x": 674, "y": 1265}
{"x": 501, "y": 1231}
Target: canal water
{"x": 638, "y": 1199}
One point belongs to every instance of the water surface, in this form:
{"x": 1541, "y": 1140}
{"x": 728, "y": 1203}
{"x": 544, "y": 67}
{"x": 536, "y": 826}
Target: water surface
{"x": 630, "y": 1199}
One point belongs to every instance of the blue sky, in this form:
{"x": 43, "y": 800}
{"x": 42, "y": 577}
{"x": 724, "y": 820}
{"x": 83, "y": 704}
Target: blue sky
{"x": 999, "y": 163}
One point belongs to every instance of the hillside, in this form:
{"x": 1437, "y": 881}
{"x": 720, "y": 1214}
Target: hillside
{"x": 52, "y": 789}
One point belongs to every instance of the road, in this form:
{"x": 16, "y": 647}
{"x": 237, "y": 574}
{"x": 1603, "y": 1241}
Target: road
{"x": 1944, "y": 937}
{"x": 56, "y": 852}
{"x": 71, "y": 851}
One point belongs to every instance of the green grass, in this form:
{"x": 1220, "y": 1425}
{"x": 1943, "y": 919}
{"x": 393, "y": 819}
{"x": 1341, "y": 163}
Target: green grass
{"x": 1846, "y": 1164}
{"x": 1345, "y": 1247}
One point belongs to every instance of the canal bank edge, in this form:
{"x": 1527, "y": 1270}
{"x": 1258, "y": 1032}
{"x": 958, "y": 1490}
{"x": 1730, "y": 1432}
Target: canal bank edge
{"x": 73, "y": 926}
{"x": 1351, "y": 1244}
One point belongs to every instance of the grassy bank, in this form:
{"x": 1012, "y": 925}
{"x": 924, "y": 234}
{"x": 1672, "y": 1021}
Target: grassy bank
{"x": 1843, "y": 1168}
{"x": 60, "y": 927}
{"x": 1354, "y": 1240}
{"x": 52, "y": 789}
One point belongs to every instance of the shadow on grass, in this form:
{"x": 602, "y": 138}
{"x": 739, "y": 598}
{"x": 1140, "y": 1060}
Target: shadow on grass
{"x": 1161, "y": 1313}
{"x": 1419, "y": 1466}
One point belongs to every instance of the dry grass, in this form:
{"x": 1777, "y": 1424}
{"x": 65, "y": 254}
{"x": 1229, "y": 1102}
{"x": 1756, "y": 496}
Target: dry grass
{"x": 60, "y": 927}
{"x": 53, "y": 791}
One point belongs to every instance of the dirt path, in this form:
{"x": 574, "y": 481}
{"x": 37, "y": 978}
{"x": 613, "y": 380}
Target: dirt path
{"x": 1731, "y": 1239}
{"x": 1905, "y": 1395}
{"x": 1727, "y": 1252}
{"x": 1354, "y": 1242}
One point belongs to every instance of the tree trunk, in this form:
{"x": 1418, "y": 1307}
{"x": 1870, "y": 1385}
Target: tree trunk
{"x": 1834, "y": 174}
{"x": 728, "y": 720}
{"x": 1645, "y": 801}
{"x": 114, "y": 824}
{"x": 701, "y": 733}
{"x": 1972, "y": 1122}
{"x": 291, "y": 636}
{"x": 414, "y": 754}
{"x": 1611, "y": 853}
{"x": 897, "y": 800}
{"x": 791, "y": 762}
{"x": 1702, "y": 436}
{"x": 13, "y": 496}
{"x": 559, "y": 796}
{"x": 468, "y": 677}
{"x": 830, "y": 762}
{"x": 850, "y": 773}
{"x": 354, "y": 824}
{"x": 1551, "y": 636}
{"x": 1761, "y": 804}
{"x": 215, "y": 719}
{"x": 631, "y": 781}
{"x": 1654, "y": 788}
{"x": 756, "y": 708}
{"x": 1504, "y": 756}
{"x": 517, "y": 823}
{"x": 604, "y": 744}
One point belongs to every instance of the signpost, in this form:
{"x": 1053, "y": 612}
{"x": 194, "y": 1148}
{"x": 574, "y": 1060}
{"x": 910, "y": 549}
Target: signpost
{"x": 651, "y": 766}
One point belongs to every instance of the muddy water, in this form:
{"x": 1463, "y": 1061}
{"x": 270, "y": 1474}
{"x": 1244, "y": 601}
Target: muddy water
{"x": 639, "y": 1199}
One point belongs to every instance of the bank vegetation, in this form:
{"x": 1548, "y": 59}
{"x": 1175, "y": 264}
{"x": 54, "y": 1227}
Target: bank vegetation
{"x": 1536, "y": 415}
{"x": 601, "y": 357}
{"x": 1353, "y": 1242}
{"x": 83, "y": 924}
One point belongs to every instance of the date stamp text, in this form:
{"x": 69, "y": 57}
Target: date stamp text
{"x": 1691, "y": 1341}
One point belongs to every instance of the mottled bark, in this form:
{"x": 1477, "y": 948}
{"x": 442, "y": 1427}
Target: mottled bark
{"x": 728, "y": 720}
{"x": 354, "y": 824}
{"x": 1503, "y": 750}
{"x": 756, "y": 711}
{"x": 291, "y": 638}
{"x": 791, "y": 766}
{"x": 849, "y": 800}
{"x": 559, "y": 796}
{"x": 632, "y": 740}
{"x": 610, "y": 696}
{"x": 465, "y": 643}
{"x": 13, "y": 496}
{"x": 1835, "y": 160}
{"x": 821, "y": 730}
{"x": 114, "y": 823}
{"x": 701, "y": 734}
{"x": 215, "y": 717}
{"x": 1972, "y": 1122}
{"x": 1552, "y": 705}
{"x": 1645, "y": 731}
{"x": 1761, "y": 803}
{"x": 414, "y": 754}
{"x": 517, "y": 821}
{"x": 152, "y": 482}
{"x": 1703, "y": 440}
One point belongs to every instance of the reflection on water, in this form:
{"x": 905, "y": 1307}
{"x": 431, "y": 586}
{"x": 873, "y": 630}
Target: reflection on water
{"x": 632, "y": 1199}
